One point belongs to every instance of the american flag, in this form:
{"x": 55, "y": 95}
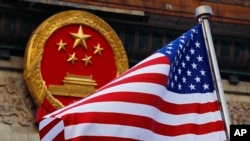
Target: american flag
{"x": 169, "y": 96}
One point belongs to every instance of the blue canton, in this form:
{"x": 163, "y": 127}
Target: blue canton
{"x": 189, "y": 68}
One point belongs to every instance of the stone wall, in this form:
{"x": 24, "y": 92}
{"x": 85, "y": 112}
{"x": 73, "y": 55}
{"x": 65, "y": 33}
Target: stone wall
{"x": 17, "y": 109}
{"x": 238, "y": 99}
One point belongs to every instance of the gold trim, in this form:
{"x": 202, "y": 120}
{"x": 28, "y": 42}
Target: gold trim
{"x": 34, "y": 49}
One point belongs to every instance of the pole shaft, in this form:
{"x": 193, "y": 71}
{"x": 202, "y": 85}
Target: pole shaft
{"x": 216, "y": 73}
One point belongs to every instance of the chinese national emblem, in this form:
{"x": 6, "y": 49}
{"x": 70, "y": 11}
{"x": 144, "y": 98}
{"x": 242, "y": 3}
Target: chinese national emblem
{"x": 68, "y": 57}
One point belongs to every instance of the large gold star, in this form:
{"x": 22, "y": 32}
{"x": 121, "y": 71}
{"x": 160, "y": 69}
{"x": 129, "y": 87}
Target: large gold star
{"x": 98, "y": 49}
{"x": 80, "y": 38}
{"x": 87, "y": 60}
{"x": 72, "y": 58}
{"x": 61, "y": 45}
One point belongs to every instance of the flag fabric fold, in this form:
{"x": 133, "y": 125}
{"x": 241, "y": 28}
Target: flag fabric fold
{"x": 169, "y": 96}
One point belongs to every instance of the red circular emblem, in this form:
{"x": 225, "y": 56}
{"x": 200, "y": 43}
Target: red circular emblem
{"x": 69, "y": 56}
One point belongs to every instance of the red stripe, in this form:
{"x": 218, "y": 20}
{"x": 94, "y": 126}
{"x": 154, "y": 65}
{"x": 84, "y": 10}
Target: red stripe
{"x": 99, "y": 138}
{"x": 155, "y": 78}
{"x": 139, "y": 121}
{"x": 159, "y": 60}
{"x": 59, "y": 137}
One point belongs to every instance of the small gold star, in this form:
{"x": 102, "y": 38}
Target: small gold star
{"x": 72, "y": 58}
{"x": 61, "y": 45}
{"x": 87, "y": 60}
{"x": 80, "y": 38}
{"x": 98, "y": 49}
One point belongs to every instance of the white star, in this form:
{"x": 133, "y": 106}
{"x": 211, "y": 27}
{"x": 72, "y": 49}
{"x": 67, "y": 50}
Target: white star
{"x": 181, "y": 46}
{"x": 197, "y": 79}
{"x": 189, "y": 73}
{"x": 203, "y": 72}
{"x": 178, "y": 51}
{"x": 192, "y": 51}
{"x": 175, "y": 77}
{"x": 183, "y": 64}
{"x": 197, "y": 44}
{"x": 179, "y": 71}
{"x": 180, "y": 56}
{"x": 184, "y": 50}
{"x": 205, "y": 86}
{"x": 168, "y": 52}
{"x": 194, "y": 65}
{"x": 179, "y": 86}
{"x": 172, "y": 84}
{"x": 200, "y": 59}
{"x": 182, "y": 41}
{"x": 184, "y": 80}
{"x": 170, "y": 47}
{"x": 183, "y": 36}
{"x": 192, "y": 87}
{"x": 176, "y": 62}
{"x": 187, "y": 58}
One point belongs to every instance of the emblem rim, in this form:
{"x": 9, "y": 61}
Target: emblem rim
{"x": 34, "y": 49}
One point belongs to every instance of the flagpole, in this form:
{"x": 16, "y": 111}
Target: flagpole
{"x": 203, "y": 13}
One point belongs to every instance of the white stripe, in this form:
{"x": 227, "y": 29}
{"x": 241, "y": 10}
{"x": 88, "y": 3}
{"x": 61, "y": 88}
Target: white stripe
{"x": 53, "y": 131}
{"x": 145, "y": 111}
{"x": 152, "y": 57}
{"x": 155, "y": 68}
{"x": 189, "y": 98}
{"x": 44, "y": 123}
{"x": 93, "y": 129}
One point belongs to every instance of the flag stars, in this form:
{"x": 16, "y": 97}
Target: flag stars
{"x": 200, "y": 59}
{"x": 189, "y": 73}
{"x": 187, "y": 58}
{"x": 184, "y": 80}
{"x": 182, "y": 41}
{"x": 176, "y": 78}
{"x": 197, "y": 79}
{"x": 172, "y": 84}
{"x": 192, "y": 51}
{"x": 194, "y": 66}
{"x": 168, "y": 52}
{"x": 179, "y": 86}
{"x": 203, "y": 73}
{"x": 197, "y": 44}
{"x": 205, "y": 86}
{"x": 192, "y": 87}
{"x": 169, "y": 47}
{"x": 179, "y": 71}
{"x": 183, "y": 64}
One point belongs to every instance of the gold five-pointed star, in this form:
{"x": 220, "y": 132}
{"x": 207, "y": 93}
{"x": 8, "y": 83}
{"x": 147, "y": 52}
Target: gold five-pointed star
{"x": 87, "y": 60}
{"x": 98, "y": 49}
{"x": 72, "y": 58}
{"x": 80, "y": 38}
{"x": 61, "y": 45}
